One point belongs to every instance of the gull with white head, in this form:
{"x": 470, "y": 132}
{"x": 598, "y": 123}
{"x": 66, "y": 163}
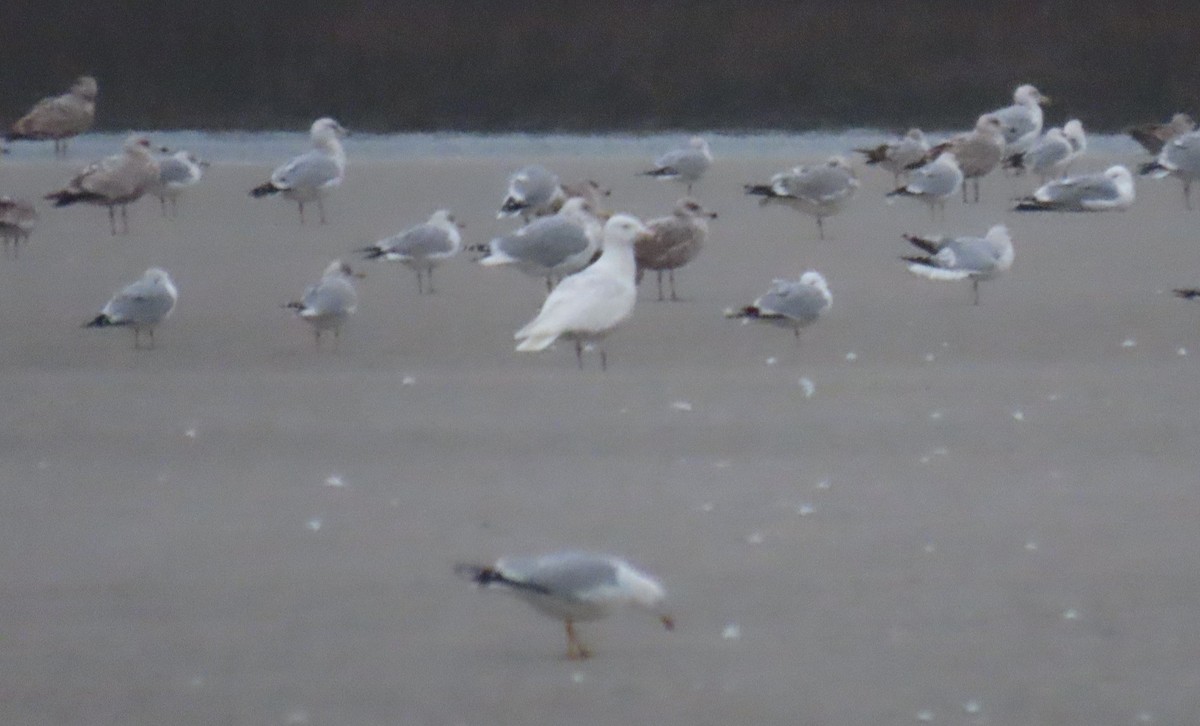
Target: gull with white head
{"x": 1022, "y": 121}
{"x": 140, "y": 306}
{"x": 177, "y": 173}
{"x": 685, "y": 165}
{"x": 791, "y": 304}
{"x": 310, "y": 176}
{"x": 963, "y": 258}
{"x": 819, "y": 190}
{"x": 1109, "y": 191}
{"x": 549, "y": 247}
{"x": 421, "y": 248}
{"x": 533, "y": 191}
{"x": 1180, "y": 158}
{"x": 933, "y": 183}
{"x": 898, "y": 155}
{"x": 329, "y": 303}
{"x": 1153, "y": 136}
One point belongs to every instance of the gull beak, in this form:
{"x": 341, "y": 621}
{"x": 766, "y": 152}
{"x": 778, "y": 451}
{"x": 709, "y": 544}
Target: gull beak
{"x": 1045, "y": 101}
{"x": 359, "y": 275}
{"x": 643, "y": 238}
{"x": 712, "y": 215}
{"x": 204, "y": 164}
{"x": 667, "y": 621}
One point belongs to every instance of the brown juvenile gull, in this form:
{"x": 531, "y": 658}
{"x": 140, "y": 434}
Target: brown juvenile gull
{"x": 1152, "y": 136}
{"x": 963, "y": 258}
{"x": 422, "y": 247}
{"x": 896, "y": 156}
{"x": 978, "y": 151}
{"x": 141, "y": 305}
{"x": 17, "y": 219}
{"x": 310, "y": 176}
{"x": 685, "y": 165}
{"x": 114, "y": 181}
{"x": 791, "y": 304}
{"x": 674, "y": 241}
{"x": 820, "y": 190}
{"x": 574, "y": 587}
{"x": 59, "y": 117}
{"x": 330, "y": 302}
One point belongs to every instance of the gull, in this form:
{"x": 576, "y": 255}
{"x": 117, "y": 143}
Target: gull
{"x": 820, "y": 190}
{"x": 533, "y": 191}
{"x": 963, "y": 258}
{"x": 1112, "y": 190}
{"x": 114, "y": 181}
{"x": 421, "y": 248}
{"x": 176, "y": 173}
{"x": 1179, "y": 157}
{"x": 673, "y": 242}
{"x": 141, "y": 306}
{"x": 896, "y": 156}
{"x": 791, "y": 304}
{"x": 590, "y": 191}
{"x": 573, "y": 587}
{"x": 933, "y": 183}
{"x": 17, "y": 219}
{"x": 310, "y": 176}
{"x": 685, "y": 165}
{"x": 550, "y": 247}
{"x": 59, "y": 117}
{"x": 588, "y": 305}
{"x": 1048, "y": 157}
{"x": 1153, "y": 136}
{"x": 330, "y": 302}
{"x": 1074, "y": 132}
{"x": 977, "y": 152}
{"x": 1022, "y": 121}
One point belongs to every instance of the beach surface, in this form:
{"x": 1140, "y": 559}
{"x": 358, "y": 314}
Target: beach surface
{"x": 923, "y": 511}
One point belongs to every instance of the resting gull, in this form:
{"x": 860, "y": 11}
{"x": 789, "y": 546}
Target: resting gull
{"x": 820, "y": 190}
{"x": 141, "y": 306}
{"x": 791, "y": 304}
{"x": 550, "y": 247}
{"x": 1022, "y": 121}
{"x": 963, "y": 258}
{"x": 674, "y": 241}
{"x": 977, "y": 152}
{"x": 1112, "y": 190}
{"x": 1179, "y": 157}
{"x": 533, "y": 191}
{"x": 330, "y": 302}
{"x": 574, "y": 587}
{"x": 421, "y": 248}
{"x": 310, "y": 176}
{"x": 933, "y": 183}
{"x": 896, "y": 156}
{"x": 177, "y": 172}
{"x": 1153, "y": 136}
{"x": 114, "y": 181}
{"x": 59, "y": 117}
{"x": 17, "y": 219}
{"x": 685, "y": 165}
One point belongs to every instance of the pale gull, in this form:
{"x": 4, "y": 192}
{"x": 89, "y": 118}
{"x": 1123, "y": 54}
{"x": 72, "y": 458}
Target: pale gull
{"x": 589, "y": 190}
{"x": 820, "y": 190}
{"x": 791, "y": 304}
{"x": 114, "y": 181}
{"x": 1048, "y": 157}
{"x": 896, "y": 156}
{"x": 17, "y": 220}
{"x": 141, "y": 306}
{"x": 1179, "y": 157}
{"x": 59, "y": 117}
{"x": 533, "y": 191}
{"x": 1022, "y": 121}
{"x": 674, "y": 241}
{"x": 963, "y": 258}
{"x": 550, "y": 247}
{"x": 588, "y": 305}
{"x": 685, "y": 165}
{"x": 977, "y": 152}
{"x": 1076, "y": 136}
{"x": 933, "y": 183}
{"x": 176, "y": 173}
{"x": 1112, "y": 190}
{"x": 421, "y": 248}
{"x": 330, "y": 302}
{"x": 574, "y": 587}
{"x": 1152, "y": 136}
{"x": 310, "y": 176}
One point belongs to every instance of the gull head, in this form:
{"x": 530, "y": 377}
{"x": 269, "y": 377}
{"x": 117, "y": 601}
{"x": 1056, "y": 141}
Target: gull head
{"x": 688, "y": 207}
{"x": 817, "y": 280}
{"x": 1121, "y": 177}
{"x": 990, "y": 123}
{"x": 624, "y": 230}
{"x": 137, "y": 142}
{"x": 338, "y": 268}
{"x": 1028, "y": 95}
{"x": 326, "y": 128}
{"x": 915, "y": 135}
{"x": 85, "y": 88}
{"x": 1182, "y": 123}
{"x": 645, "y": 592}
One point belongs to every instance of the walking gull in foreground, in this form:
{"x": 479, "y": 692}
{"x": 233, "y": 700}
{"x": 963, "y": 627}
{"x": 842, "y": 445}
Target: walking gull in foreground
{"x": 963, "y": 258}
{"x": 685, "y": 165}
{"x": 533, "y": 191}
{"x": 933, "y": 183}
{"x": 59, "y": 117}
{"x": 140, "y": 306}
{"x": 674, "y": 241}
{"x": 588, "y": 305}
{"x": 421, "y": 248}
{"x": 176, "y": 173}
{"x": 574, "y": 587}
{"x": 114, "y": 181}
{"x": 820, "y": 190}
{"x": 1022, "y": 121}
{"x": 1153, "y": 136}
{"x": 977, "y": 152}
{"x": 550, "y": 247}
{"x": 1112, "y": 190}
{"x": 17, "y": 220}
{"x": 791, "y": 304}
{"x": 896, "y": 156}
{"x": 1179, "y": 157}
{"x": 310, "y": 176}
{"x": 329, "y": 303}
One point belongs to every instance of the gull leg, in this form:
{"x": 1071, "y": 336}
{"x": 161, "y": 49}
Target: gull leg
{"x": 820, "y": 228}
{"x": 603, "y": 359}
{"x": 671, "y": 278}
{"x": 150, "y": 335}
{"x": 975, "y": 290}
{"x": 124, "y": 219}
{"x": 660, "y": 295}
{"x": 429, "y": 279}
{"x": 162, "y": 205}
{"x": 975, "y": 182}
{"x": 137, "y": 340}
{"x": 112, "y": 220}
{"x": 549, "y": 284}
{"x": 321, "y": 209}
{"x": 579, "y": 356}
{"x": 575, "y": 649}
{"x": 317, "y": 337}
{"x": 301, "y": 205}
{"x": 420, "y": 284}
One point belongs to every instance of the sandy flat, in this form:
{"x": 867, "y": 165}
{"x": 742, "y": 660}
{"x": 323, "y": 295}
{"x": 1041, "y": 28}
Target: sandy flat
{"x": 982, "y": 515}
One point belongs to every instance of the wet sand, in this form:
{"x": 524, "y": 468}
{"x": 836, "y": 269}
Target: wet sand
{"x": 982, "y": 515}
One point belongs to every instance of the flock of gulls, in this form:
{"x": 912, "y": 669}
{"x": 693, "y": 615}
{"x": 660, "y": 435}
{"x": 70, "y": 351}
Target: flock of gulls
{"x": 593, "y": 260}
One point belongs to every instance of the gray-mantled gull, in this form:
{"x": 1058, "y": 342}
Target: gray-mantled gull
{"x": 977, "y": 152}
{"x": 1153, "y": 136}
{"x": 1048, "y": 157}
{"x": 963, "y": 258}
{"x": 421, "y": 248}
{"x": 17, "y": 220}
{"x": 1112, "y": 190}
{"x": 1076, "y": 136}
{"x": 59, "y": 117}
{"x": 310, "y": 176}
{"x": 896, "y": 156}
{"x": 685, "y": 165}
{"x": 674, "y": 241}
{"x": 820, "y": 190}
{"x": 791, "y": 304}
{"x": 933, "y": 183}
{"x": 114, "y": 181}
{"x": 1179, "y": 157}
{"x": 141, "y": 306}
{"x": 550, "y": 247}
{"x": 1022, "y": 121}
{"x": 176, "y": 173}
{"x": 574, "y": 587}
{"x": 533, "y": 191}
{"x": 330, "y": 302}
{"x": 588, "y": 305}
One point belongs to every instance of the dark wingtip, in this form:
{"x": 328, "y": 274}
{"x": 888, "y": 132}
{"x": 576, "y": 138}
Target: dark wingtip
{"x": 750, "y": 311}
{"x": 100, "y": 321}
{"x": 1148, "y": 167}
{"x": 478, "y": 574}
{"x": 1187, "y": 293}
{"x": 762, "y": 190}
{"x": 370, "y": 253}
{"x": 1030, "y": 205}
{"x": 263, "y": 190}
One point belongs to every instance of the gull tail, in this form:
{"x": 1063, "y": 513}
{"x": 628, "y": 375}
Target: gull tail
{"x": 665, "y": 171}
{"x": 101, "y": 321}
{"x": 1015, "y": 161}
{"x": 876, "y": 155}
{"x": 66, "y": 197}
{"x": 750, "y": 312}
{"x": 1187, "y": 293}
{"x": 512, "y": 207}
{"x": 759, "y": 190}
{"x": 371, "y": 253}
{"x": 900, "y": 192}
{"x": 926, "y": 245}
{"x": 263, "y": 190}
{"x": 295, "y": 305}
{"x": 483, "y": 576}
{"x": 534, "y": 341}
{"x": 1153, "y": 168}
{"x": 927, "y": 268}
{"x": 1029, "y": 204}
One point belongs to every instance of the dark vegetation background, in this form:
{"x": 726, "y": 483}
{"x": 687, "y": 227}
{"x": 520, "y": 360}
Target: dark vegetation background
{"x": 599, "y": 65}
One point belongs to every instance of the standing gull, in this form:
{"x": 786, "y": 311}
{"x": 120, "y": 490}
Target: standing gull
{"x": 963, "y": 258}
{"x": 1112, "y": 190}
{"x": 1047, "y": 158}
{"x": 1179, "y": 157}
{"x": 673, "y": 242}
{"x": 685, "y": 165}
{"x": 329, "y": 303}
{"x": 17, "y": 219}
{"x": 533, "y": 191}
{"x": 977, "y": 152}
{"x": 821, "y": 190}
{"x": 176, "y": 173}
{"x": 1022, "y": 121}
{"x": 896, "y": 156}
{"x": 310, "y": 176}
{"x": 550, "y": 247}
{"x": 588, "y": 305}
{"x": 1153, "y": 136}
{"x": 574, "y": 587}
{"x": 59, "y": 117}
{"x": 791, "y": 304}
{"x": 421, "y": 248}
{"x": 114, "y": 181}
{"x": 140, "y": 306}
{"x": 933, "y": 183}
